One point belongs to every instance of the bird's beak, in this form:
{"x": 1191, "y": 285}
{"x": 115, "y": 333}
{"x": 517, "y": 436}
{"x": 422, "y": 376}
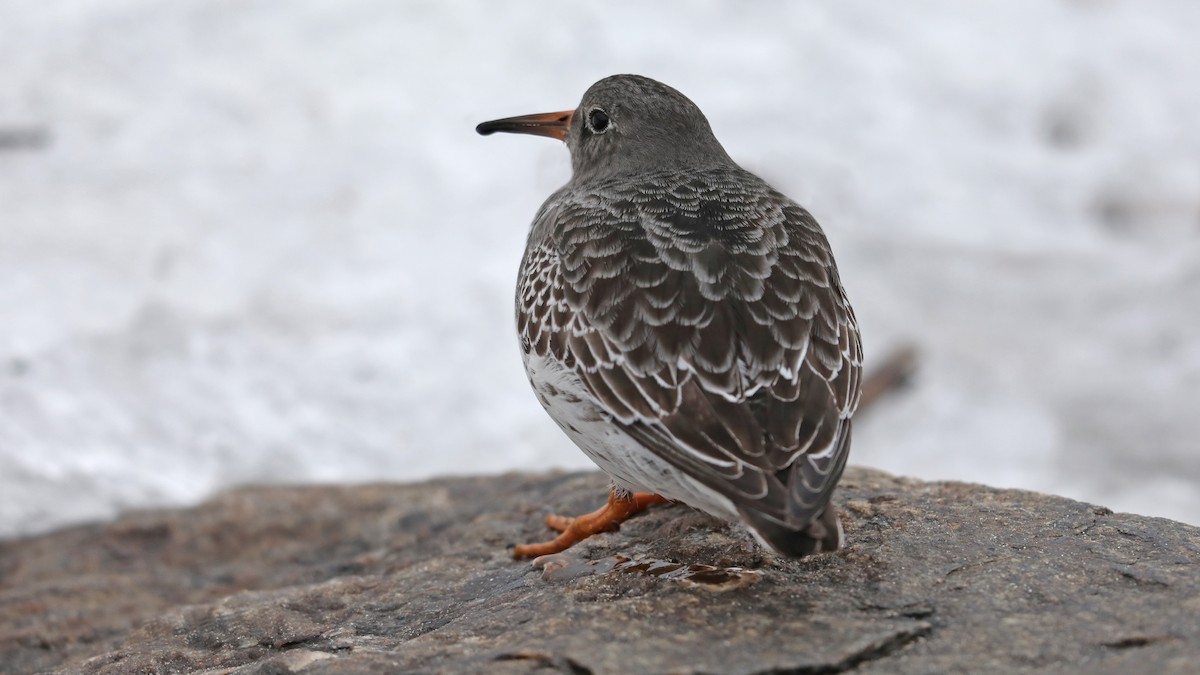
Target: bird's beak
{"x": 554, "y": 125}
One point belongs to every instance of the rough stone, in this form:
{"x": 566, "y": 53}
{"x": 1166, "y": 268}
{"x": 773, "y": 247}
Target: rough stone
{"x": 937, "y": 577}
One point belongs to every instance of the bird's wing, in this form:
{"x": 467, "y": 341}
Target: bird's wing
{"x": 714, "y": 328}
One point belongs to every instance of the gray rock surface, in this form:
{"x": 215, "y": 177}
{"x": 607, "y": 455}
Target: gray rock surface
{"x": 937, "y": 577}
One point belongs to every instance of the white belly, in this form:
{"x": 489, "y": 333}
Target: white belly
{"x": 631, "y": 466}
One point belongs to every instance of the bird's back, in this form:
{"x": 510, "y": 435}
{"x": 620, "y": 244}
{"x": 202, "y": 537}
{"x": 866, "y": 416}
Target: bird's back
{"x": 701, "y": 311}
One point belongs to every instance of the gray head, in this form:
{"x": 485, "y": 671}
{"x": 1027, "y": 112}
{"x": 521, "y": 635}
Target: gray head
{"x": 626, "y": 124}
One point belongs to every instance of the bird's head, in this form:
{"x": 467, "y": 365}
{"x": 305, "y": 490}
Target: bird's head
{"x": 625, "y": 124}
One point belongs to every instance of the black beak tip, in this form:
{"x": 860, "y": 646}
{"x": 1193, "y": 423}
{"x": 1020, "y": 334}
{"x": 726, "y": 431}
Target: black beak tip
{"x": 485, "y": 129}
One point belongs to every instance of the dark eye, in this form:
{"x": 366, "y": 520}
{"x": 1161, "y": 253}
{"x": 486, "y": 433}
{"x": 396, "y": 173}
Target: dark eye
{"x": 597, "y": 120}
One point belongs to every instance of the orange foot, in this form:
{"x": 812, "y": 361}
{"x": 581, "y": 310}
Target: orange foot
{"x": 574, "y": 530}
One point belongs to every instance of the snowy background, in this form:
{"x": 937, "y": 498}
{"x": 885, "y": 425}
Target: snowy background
{"x": 260, "y": 241}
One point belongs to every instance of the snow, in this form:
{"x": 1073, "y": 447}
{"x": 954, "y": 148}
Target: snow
{"x": 264, "y": 244}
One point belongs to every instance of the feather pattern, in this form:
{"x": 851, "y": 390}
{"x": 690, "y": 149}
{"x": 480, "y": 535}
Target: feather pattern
{"x": 702, "y": 312}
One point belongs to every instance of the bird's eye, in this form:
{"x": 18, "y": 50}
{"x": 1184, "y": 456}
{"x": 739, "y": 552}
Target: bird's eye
{"x": 597, "y": 121}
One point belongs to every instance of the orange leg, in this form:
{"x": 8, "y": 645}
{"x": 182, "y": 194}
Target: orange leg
{"x": 574, "y": 530}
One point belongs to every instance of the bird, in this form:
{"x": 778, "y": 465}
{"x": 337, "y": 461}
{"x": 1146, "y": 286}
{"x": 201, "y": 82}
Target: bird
{"x": 684, "y": 323}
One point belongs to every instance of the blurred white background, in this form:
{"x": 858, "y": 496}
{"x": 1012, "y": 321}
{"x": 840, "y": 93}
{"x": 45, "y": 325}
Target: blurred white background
{"x": 262, "y": 242}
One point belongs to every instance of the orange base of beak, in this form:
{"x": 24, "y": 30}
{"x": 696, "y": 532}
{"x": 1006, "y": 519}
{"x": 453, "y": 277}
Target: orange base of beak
{"x": 555, "y": 125}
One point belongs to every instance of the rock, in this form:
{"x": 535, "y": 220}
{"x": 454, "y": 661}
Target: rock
{"x": 937, "y": 577}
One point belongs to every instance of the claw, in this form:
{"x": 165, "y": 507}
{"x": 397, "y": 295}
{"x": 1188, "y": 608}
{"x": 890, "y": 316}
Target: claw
{"x": 574, "y": 530}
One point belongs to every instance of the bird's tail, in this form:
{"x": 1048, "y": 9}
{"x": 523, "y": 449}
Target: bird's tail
{"x": 822, "y": 535}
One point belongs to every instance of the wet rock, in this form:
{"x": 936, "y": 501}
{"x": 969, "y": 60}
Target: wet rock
{"x": 937, "y": 577}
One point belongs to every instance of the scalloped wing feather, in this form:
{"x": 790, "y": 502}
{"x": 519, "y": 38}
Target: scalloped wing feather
{"x": 704, "y": 313}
